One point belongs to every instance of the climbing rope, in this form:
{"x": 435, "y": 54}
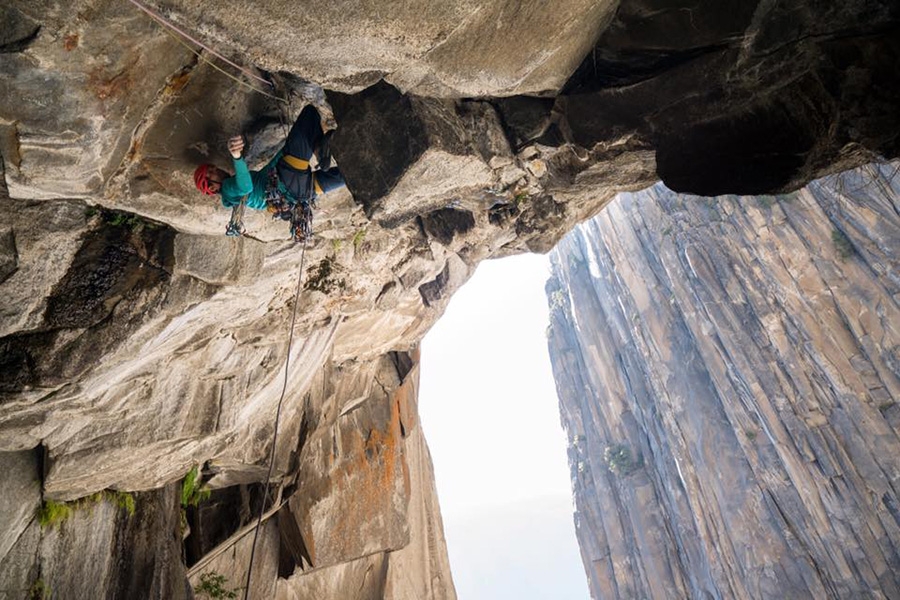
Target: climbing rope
{"x": 235, "y": 228}
{"x": 287, "y": 362}
{"x": 168, "y": 27}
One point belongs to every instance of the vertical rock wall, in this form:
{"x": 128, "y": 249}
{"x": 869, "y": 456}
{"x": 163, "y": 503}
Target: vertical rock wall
{"x": 137, "y": 343}
{"x": 729, "y": 371}
{"x": 100, "y": 548}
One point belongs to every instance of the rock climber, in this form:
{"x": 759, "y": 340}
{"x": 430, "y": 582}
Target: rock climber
{"x": 287, "y": 186}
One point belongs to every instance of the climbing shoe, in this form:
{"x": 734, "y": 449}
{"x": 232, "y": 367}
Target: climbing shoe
{"x": 323, "y": 152}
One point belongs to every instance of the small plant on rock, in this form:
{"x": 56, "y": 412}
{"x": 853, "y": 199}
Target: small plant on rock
{"x": 557, "y": 300}
{"x": 125, "y": 501}
{"x": 192, "y": 490}
{"x": 619, "y": 459}
{"x": 212, "y": 585}
{"x": 52, "y": 513}
{"x": 842, "y": 244}
{"x": 323, "y": 276}
{"x": 358, "y": 238}
{"x": 39, "y": 590}
{"x": 116, "y": 218}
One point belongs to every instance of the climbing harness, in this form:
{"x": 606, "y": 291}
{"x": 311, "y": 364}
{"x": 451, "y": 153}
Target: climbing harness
{"x": 297, "y": 212}
{"x": 287, "y": 362}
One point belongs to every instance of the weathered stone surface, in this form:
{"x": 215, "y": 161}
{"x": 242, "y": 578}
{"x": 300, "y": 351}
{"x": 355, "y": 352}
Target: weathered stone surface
{"x": 407, "y": 155}
{"x": 748, "y": 97}
{"x": 9, "y": 256}
{"x": 363, "y": 578}
{"x": 21, "y": 497}
{"x": 231, "y": 561}
{"x": 464, "y": 48}
{"x": 728, "y": 381}
{"x": 42, "y": 257}
{"x": 218, "y": 260}
{"x": 385, "y": 570}
{"x": 353, "y": 472}
{"x": 139, "y": 556}
{"x": 136, "y": 342}
{"x": 19, "y": 572}
{"x": 72, "y": 97}
{"x": 426, "y": 553}
{"x": 99, "y": 547}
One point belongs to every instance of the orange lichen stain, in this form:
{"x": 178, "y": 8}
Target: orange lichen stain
{"x": 177, "y": 82}
{"x": 70, "y": 42}
{"x": 109, "y": 87}
{"x": 134, "y": 150}
{"x": 368, "y": 476}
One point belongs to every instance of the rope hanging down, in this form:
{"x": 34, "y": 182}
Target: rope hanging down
{"x": 236, "y": 219}
{"x": 168, "y": 27}
{"x": 287, "y": 362}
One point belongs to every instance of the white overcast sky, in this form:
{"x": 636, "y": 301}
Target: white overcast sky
{"x": 491, "y": 417}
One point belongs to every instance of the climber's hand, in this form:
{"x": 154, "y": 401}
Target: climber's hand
{"x": 236, "y": 146}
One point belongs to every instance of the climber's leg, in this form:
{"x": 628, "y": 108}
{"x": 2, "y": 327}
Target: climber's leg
{"x": 305, "y": 135}
{"x": 330, "y": 179}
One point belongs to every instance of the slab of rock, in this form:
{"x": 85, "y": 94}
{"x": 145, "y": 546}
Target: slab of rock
{"x": 354, "y": 474}
{"x": 384, "y": 573}
{"x": 727, "y": 377}
{"x": 131, "y": 329}
{"x": 99, "y": 546}
{"x": 82, "y": 85}
{"x": 21, "y": 496}
{"x": 218, "y": 260}
{"x": 749, "y": 98}
{"x": 464, "y": 48}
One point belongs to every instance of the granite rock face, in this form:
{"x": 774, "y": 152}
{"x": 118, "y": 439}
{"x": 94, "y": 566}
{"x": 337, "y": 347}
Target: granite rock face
{"x": 729, "y": 380}
{"x": 136, "y": 342}
{"x": 747, "y": 97}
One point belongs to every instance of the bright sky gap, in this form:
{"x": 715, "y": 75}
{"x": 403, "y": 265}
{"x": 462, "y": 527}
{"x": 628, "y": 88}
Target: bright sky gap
{"x": 491, "y": 417}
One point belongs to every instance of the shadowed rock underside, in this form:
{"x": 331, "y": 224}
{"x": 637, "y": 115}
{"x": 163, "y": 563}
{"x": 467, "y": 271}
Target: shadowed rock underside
{"x": 137, "y": 342}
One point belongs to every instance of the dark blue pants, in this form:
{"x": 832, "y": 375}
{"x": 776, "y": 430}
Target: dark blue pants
{"x": 305, "y": 136}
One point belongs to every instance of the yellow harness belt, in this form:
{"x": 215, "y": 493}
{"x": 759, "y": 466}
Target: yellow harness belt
{"x": 297, "y": 163}
{"x": 302, "y": 165}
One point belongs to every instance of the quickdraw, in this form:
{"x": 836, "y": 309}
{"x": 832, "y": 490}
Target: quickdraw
{"x": 235, "y": 226}
{"x": 298, "y": 212}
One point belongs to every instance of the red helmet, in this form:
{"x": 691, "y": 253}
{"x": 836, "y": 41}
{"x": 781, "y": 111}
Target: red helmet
{"x": 201, "y": 179}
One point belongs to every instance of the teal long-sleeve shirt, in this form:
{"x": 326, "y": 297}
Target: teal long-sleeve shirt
{"x": 247, "y": 183}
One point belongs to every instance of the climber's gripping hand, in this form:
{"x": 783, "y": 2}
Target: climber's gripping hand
{"x": 236, "y": 146}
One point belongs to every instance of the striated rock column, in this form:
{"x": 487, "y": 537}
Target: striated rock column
{"x": 728, "y": 371}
